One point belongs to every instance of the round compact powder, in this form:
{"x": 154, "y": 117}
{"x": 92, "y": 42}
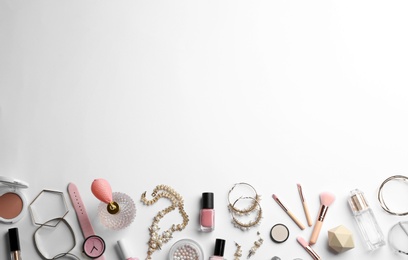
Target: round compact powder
{"x": 186, "y": 249}
{"x": 11, "y": 205}
{"x": 279, "y": 233}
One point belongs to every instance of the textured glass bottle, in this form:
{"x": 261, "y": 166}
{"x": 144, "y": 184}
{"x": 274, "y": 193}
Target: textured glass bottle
{"x": 123, "y": 218}
{"x": 116, "y": 210}
{"x": 365, "y": 219}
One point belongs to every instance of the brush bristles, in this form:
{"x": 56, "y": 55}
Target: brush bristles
{"x": 302, "y": 241}
{"x": 326, "y": 198}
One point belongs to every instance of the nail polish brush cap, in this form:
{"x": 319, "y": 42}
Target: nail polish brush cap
{"x": 219, "y": 247}
{"x": 14, "y": 239}
{"x": 208, "y": 200}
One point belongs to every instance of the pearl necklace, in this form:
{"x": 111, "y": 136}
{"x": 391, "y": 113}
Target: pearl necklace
{"x": 156, "y": 241}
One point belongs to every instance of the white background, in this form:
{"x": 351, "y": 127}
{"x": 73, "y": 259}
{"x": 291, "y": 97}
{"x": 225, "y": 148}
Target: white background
{"x": 202, "y": 95}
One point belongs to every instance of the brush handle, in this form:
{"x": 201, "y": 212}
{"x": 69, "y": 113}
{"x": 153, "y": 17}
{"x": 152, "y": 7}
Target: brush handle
{"x": 307, "y": 213}
{"x": 312, "y": 253}
{"x": 316, "y": 231}
{"x": 296, "y": 220}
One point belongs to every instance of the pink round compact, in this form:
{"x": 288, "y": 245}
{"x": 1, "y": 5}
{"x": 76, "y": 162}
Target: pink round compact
{"x": 13, "y": 203}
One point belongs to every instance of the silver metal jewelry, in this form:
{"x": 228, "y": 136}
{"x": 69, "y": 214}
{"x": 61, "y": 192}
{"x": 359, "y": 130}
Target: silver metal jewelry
{"x": 395, "y": 239}
{"x": 48, "y": 224}
{"x": 381, "y": 198}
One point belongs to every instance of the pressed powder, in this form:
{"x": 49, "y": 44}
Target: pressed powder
{"x": 11, "y": 205}
{"x": 279, "y": 233}
{"x": 186, "y": 249}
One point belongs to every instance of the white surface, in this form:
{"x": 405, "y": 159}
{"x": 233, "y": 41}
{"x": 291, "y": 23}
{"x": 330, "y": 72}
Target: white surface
{"x": 199, "y": 96}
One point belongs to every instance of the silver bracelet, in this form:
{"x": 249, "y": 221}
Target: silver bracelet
{"x": 381, "y": 198}
{"x": 68, "y": 254}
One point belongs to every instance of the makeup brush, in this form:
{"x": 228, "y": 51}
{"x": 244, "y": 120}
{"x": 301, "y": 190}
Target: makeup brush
{"x": 308, "y": 249}
{"x": 305, "y": 207}
{"x": 326, "y": 199}
{"x": 293, "y": 217}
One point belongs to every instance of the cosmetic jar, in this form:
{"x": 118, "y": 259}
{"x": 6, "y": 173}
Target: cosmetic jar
{"x": 279, "y": 233}
{"x": 13, "y": 203}
{"x": 186, "y": 249}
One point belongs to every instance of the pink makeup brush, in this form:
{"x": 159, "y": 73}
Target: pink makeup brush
{"x": 326, "y": 199}
{"x": 293, "y": 217}
{"x": 308, "y": 249}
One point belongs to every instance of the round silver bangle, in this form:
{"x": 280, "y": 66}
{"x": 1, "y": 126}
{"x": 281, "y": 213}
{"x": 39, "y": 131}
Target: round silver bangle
{"x": 381, "y": 198}
{"x": 60, "y": 255}
{"x": 391, "y": 240}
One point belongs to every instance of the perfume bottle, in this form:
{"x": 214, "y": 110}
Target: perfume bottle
{"x": 207, "y": 213}
{"x": 218, "y": 250}
{"x": 116, "y": 210}
{"x": 366, "y": 221}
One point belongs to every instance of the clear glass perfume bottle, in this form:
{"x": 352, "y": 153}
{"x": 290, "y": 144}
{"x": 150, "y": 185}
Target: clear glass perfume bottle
{"x": 365, "y": 219}
{"x": 116, "y": 210}
{"x": 123, "y": 217}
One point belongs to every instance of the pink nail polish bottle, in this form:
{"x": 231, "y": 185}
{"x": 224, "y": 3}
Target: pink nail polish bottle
{"x": 207, "y": 213}
{"x": 218, "y": 250}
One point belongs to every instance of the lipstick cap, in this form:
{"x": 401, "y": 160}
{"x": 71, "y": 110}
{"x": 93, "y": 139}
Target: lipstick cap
{"x": 124, "y": 247}
{"x": 208, "y": 200}
{"x": 14, "y": 239}
{"x": 219, "y": 247}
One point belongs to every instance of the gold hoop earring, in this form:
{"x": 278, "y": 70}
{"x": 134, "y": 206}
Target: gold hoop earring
{"x": 245, "y": 211}
{"x": 251, "y": 223}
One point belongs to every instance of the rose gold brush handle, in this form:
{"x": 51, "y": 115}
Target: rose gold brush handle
{"x": 319, "y": 223}
{"x": 312, "y": 253}
{"x": 316, "y": 231}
